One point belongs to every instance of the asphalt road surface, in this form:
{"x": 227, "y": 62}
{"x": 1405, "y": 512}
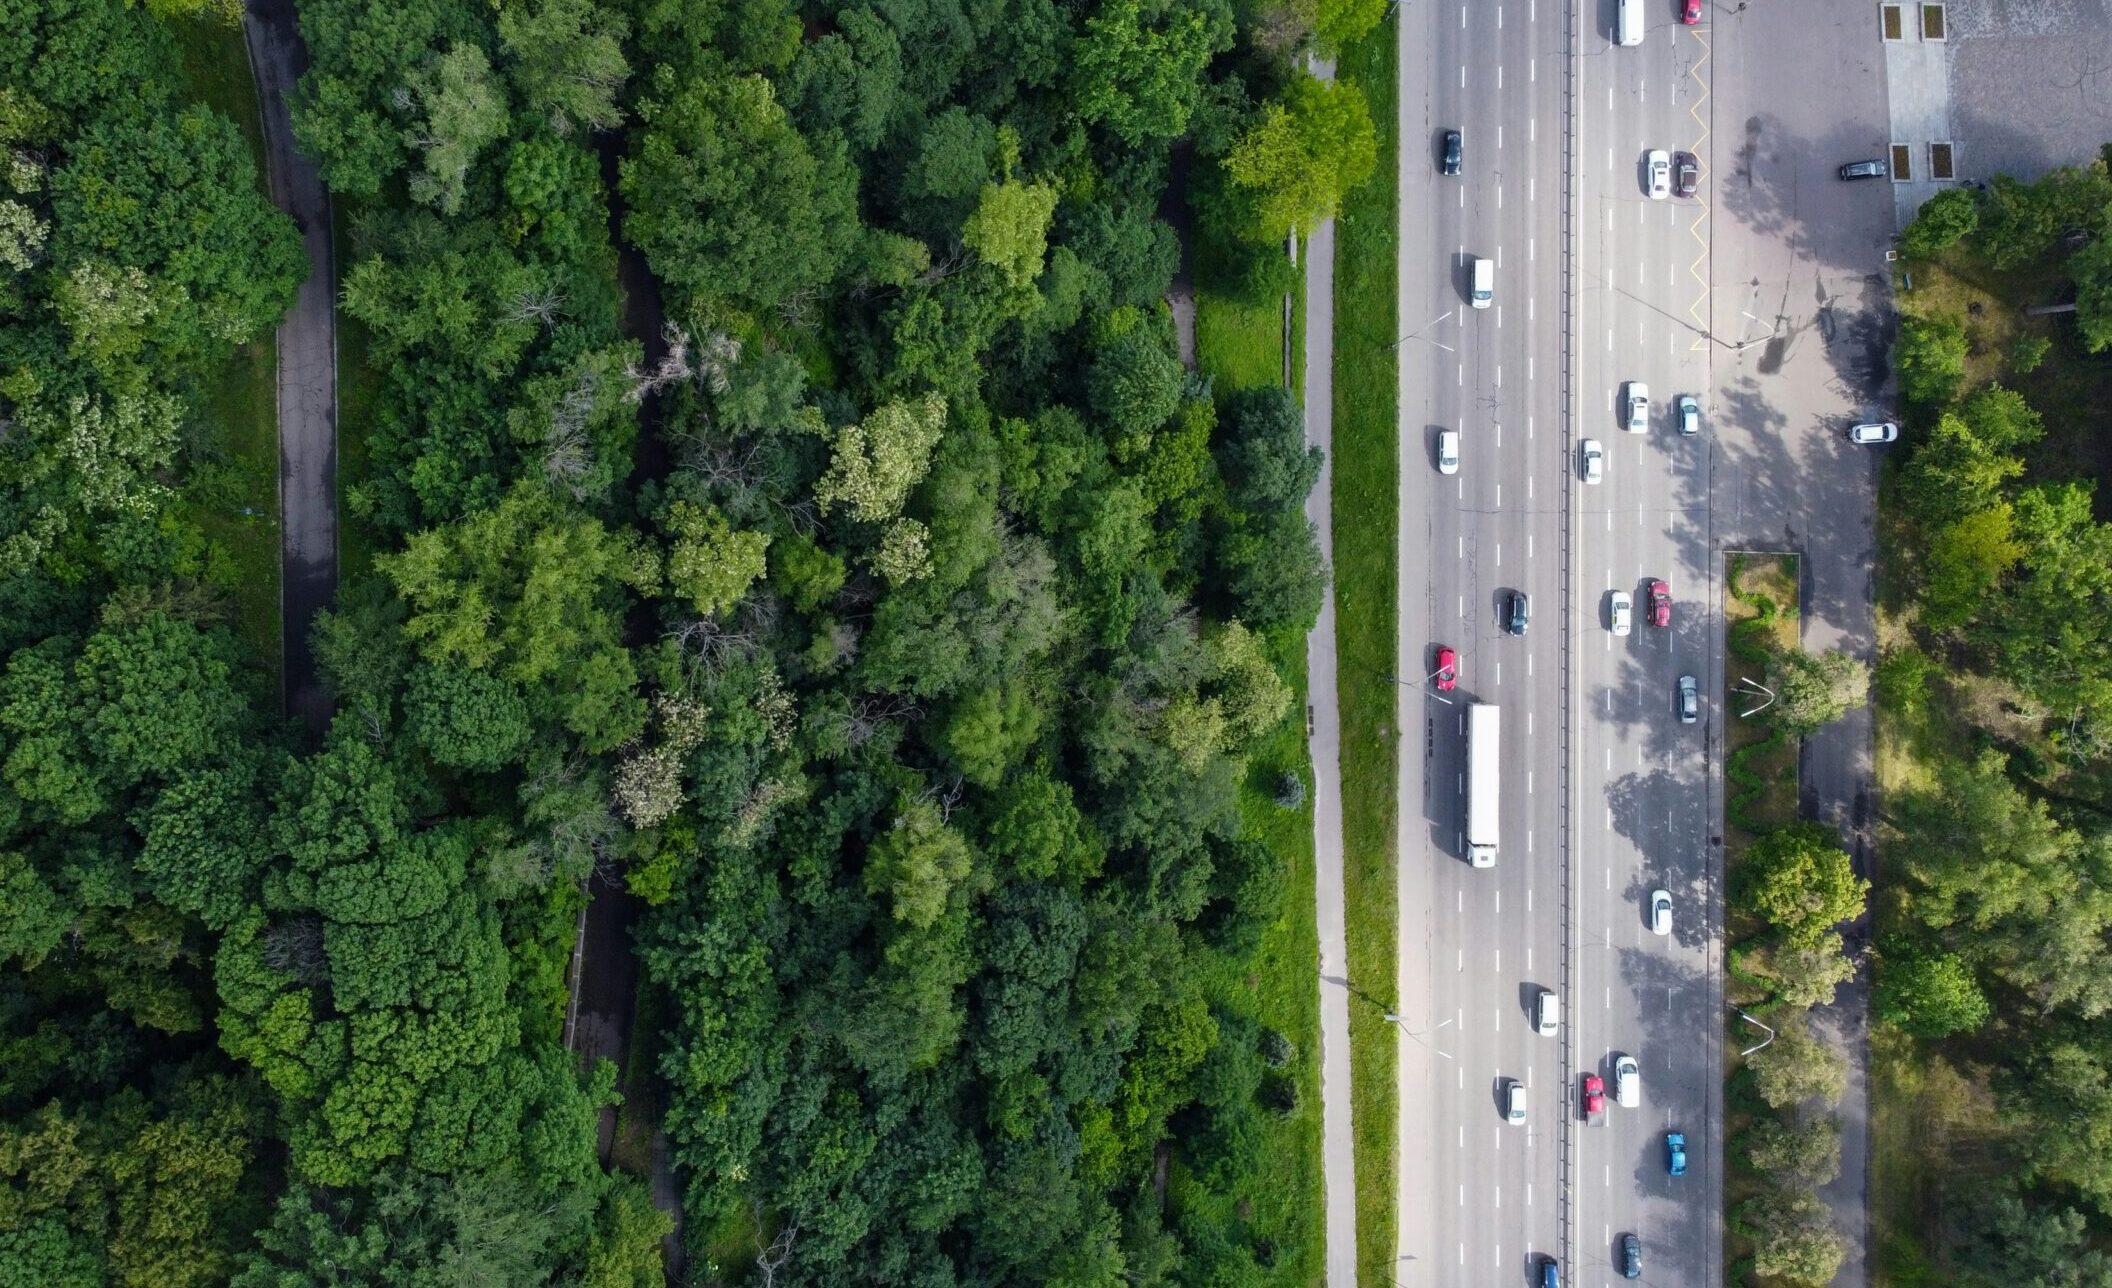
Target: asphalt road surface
{"x": 307, "y": 367}
{"x": 1605, "y": 793}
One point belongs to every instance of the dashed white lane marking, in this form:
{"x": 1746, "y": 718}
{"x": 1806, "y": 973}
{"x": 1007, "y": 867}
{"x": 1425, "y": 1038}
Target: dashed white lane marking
{"x": 1499, "y": 76}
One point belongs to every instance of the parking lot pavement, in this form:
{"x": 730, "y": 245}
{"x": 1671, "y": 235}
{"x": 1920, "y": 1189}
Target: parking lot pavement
{"x": 2030, "y": 84}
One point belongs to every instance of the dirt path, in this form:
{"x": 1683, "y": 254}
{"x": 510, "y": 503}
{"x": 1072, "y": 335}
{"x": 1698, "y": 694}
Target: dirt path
{"x": 307, "y": 366}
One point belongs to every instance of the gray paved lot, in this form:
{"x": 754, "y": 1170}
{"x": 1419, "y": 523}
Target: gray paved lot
{"x": 2031, "y": 84}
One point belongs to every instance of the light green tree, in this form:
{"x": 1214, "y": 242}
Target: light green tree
{"x": 464, "y": 110}
{"x": 711, "y": 564}
{"x": 568, "y": 59}
{"x": 917, "y": 863}
{"x": 875, "y": 463}
{"x": 1010, "y": 228}
{"x": 1302, "y": 155}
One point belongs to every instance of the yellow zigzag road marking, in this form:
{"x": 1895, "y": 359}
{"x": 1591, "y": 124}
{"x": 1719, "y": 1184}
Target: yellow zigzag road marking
{"x": 1701, "y": 211}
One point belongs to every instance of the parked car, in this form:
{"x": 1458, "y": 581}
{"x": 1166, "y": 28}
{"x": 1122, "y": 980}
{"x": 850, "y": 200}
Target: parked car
{"x": 1631, "y": 1257}
{"x": 1657, "y": 170}
{"x": 1514, "y": 1103}
{"x": 1676, "y": 1153}
{"x": 1594, "y": 458}
{"x": 1619, "y": 608}
{"x": 1660, "y": 604}
{"x": 1874, "y": 432}
{"x": 1686, "y": 173}
{"x": 1447, "y": 669}
{"x": 1594, "y": 1095}
{"x": 1452, "y": 151}
{"x": 1448, "y": 451}
{"x": 1660, "y": 912}
{"x": 1689, "y": 414}
{"x": 1865, "y": 170}
{"x": 1689, "y": 700}
{"x": 1635, "y": 406}
{"x": 1519, "y": 611}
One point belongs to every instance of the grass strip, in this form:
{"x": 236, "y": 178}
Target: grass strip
{"x": 1366, "y": 520}
{"x": 232, "y": 491}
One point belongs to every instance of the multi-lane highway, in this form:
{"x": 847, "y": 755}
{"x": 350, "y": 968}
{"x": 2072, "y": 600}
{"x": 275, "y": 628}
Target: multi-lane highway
{"x": 1605, "y": 791}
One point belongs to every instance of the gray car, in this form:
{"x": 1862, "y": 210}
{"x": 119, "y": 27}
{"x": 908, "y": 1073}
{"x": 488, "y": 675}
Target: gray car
{"x": 1689, "y": 414}
{"x": 1689, "y": 700}
{"x": 1865, "y": 170}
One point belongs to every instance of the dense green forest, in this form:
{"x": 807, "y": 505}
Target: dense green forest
{"x": 1995, "y": 907}
{"x": 898, "y": 619}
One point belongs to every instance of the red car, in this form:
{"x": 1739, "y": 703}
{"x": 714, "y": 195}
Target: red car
{"x": 1594, "y": 1095}
{"x": 1660, "y": 604}
{"x": 1447, "y": 669}
{"x": 1690, "y": 12}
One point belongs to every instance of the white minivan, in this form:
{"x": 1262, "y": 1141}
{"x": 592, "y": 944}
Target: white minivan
{"x": 1628, "y": 24}
{"x": 1547, "y": 1016}
{"x": 1484, "y": 282}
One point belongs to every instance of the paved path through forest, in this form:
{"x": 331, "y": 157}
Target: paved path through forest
{"x": 1337, "y": 1142}
{"x": 307, "y": 365}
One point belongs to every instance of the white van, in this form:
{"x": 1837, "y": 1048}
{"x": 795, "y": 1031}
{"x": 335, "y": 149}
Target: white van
{"x": 1628, "y": 25}
{"x": 1547, "y": 1016}
{"x": 1484, "y": 282}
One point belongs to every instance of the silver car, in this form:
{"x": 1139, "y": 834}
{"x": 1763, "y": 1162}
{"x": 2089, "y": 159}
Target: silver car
{"x": 1620, "y": 611}
{"x": 1689, "y": 700}
{"x": 1594, "y": 457}
{"x": 1658, "y": 164}
{"x": 1689, "y": 414}
{"x": 1635, "y": 406}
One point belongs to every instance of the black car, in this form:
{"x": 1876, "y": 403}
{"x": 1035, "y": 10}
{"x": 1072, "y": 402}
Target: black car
{"x": 1452, "y": 149}
{"x": 1631, "y": 1257}
{"x": 1521, "y": 609}
{"x": 1865, "y": 170}
{"x": 1686, "y": 173}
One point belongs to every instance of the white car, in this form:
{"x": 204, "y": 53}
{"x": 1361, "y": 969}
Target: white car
{"x": 1659, "y": 166}
{"x": 1660, "y": 912}
{"x": 1878, "y": 432}
{"x": 1635, "y": 406}
{"x": 1448, "y": 451}
{"x": 1627, "y": 1083}
{"x": 1594, "y": 457}
{"x": 1620, "y": 611}
{"x": 1689, "y": 414}
{"x": 1514, "y": 1103}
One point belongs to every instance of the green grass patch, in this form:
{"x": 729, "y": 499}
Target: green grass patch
{"x": 1283, "y": 1204}
{"x": 1366, "y": 517}
{"x": 1240, "y": 345}
{"x": 216, "y": 70}
{"x": 232, "y": 493}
